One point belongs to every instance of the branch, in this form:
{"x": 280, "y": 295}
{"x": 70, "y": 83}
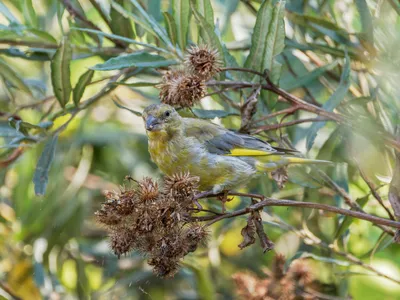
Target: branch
{"x": 282, "y": 202}
{"x": 291, "y": 123}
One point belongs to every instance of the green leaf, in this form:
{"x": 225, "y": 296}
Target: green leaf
{"x": 305, "y": 79}
{"x": 120, "y": 24}
{"x": 136, "y": 113}
{"x": 211, "y": 114}
{"x": 332, "y": 103}
{"x": 341, "y": 177}
{"x": 121, "y": 38}
{"x": 366, "y": 22}
{"x": 348, "y": 220}
{"x": 204, "y": 7}
{"x": 298, "y": 175}
{"x": 41, "y": 176}
{"x": 60, "y": 72}
{"x": 11, "y": 77}
{"x": 139, "y": 59}
{"x": 29, "y": 13}
{"x": 207, "y": 33}
{"x": 268, "y": 41}
{"x": 181, "y": 14}
{"x": 160, "y": 32}
{"x": 303, "y": 254}
{"x": 171, "y": 27}
{"x": 80, "y": 87}
{"x": 6, "y": 13}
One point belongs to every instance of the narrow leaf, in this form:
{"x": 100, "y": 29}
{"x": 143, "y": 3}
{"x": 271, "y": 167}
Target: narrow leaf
{"x": 140, "y": 59}
{"x": 306, "y": 79}
{"x": 121, "y": 38}
{"x": 332, "y": 103}
{"x": 6, "y": 12}
{"x": 41, "y": 176}
{"x": 29, "y": 13}
{"x": 136, "y": 113}
{"x": 366, "y": 22}
{"x": 181, "y": 14}
{"x": 60, "y": 72}
{"x": 120, "y": 24}
{"x": 171, "y": 27}
{"x": 10, "y": 76}
{"x": 207, "y": 33}
{"x": 80, "y": 87}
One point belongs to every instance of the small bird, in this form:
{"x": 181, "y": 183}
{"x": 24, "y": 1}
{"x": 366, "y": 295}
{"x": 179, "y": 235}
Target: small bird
{"x": 222, "y": 159}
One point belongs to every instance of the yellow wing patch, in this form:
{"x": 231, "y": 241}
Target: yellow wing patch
{"x": 248, "y": 152}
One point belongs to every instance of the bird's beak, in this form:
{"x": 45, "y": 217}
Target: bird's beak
{"x": 151, "y": 123}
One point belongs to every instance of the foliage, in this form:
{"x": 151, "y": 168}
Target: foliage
{"x": 320, "y": 77}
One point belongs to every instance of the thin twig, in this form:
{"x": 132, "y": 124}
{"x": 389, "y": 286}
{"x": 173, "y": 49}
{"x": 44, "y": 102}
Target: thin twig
{"x": 290, "y": 123}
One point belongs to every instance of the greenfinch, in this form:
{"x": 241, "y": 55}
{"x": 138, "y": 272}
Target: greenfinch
{"x": 222, "y": 159}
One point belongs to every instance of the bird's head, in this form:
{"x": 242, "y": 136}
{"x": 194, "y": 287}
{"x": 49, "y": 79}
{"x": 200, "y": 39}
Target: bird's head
{"x": 161, "y": 118}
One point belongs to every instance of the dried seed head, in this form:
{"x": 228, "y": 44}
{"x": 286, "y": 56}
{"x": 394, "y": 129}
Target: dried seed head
{"x": 122, "y": 241}
{"x": 203, "y": 61}
{"x": 182, "y": 187}
{"x": 280, "y": 176}
{"x": 195, "y": 235}
{"x": 181, "y": 89}
{"x": 147, "y": 190}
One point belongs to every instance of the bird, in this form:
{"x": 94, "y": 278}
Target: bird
{"x": 222, "y": 159}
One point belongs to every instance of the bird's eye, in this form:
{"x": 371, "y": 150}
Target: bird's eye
{"x": 167, "y": 113}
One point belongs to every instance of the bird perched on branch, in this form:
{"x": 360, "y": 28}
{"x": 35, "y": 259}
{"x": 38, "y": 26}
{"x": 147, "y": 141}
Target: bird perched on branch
{"x": 222, "y": 159}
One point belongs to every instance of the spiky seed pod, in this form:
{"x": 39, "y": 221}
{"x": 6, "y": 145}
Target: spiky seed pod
{"x": 203, "y": 61}
{"x": 182, "y": 187}
{"x": 122, "y": 241}
{"x": 179, "y": 88}
{"x": 164, "y": 267}
{"x": 195, "y": 235}
{"x": 147, "y": 190}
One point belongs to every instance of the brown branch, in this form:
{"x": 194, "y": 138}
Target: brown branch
{"x": 10, "y": 159}
{"x": 265, "y": 201}
{"x": 287, "y": 111}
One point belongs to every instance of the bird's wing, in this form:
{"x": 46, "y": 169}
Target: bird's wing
{"x": 219, "y": 140}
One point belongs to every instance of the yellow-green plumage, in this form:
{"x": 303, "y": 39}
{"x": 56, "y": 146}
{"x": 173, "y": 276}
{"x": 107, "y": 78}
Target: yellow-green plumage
{"x": 222, "y": 159}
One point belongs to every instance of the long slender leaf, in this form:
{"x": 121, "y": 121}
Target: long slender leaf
{"x": 181, "y": 14}
{"x": 10, "y": 76}
{"x": 208, "y": 33}
{"x": 306, "y": 79}
{"x": 136, "y": 113}
{"x": 140, "y": 59}
{"x": 80, "y": 87}
{"x": 41, "y": 176}
{"x": 6, "y": 12}
{"x": 171, "y": 27}
{"x": 29, "y": 13}
{"x": 120, "y": 24}
{"x": 366, "y": 22}
{"x": 268, "y": 41}
{"x": 121, "y": 38}
{"x": 60, "y": 72}
{"x": 332, "y": 102}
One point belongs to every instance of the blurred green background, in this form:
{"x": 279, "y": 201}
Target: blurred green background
{"x": 50, "y": 245}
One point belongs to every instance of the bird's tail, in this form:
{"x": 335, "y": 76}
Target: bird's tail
{"x": 268, "y": 164}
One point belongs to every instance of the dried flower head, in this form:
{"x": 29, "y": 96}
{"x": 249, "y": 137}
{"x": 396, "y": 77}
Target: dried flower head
{"x": 179, "y": 88}
{"x": 280, "y": 176}
{"x": 203, "y": 61}
{"x": 147, "y": 190}
{"x": 154, "y": 222}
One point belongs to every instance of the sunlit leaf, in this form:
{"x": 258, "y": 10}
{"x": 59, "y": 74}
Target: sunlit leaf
{"x": 60, "y": 72}
{"x": 41, "y": 176}
{"x": 29, "y": 13}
